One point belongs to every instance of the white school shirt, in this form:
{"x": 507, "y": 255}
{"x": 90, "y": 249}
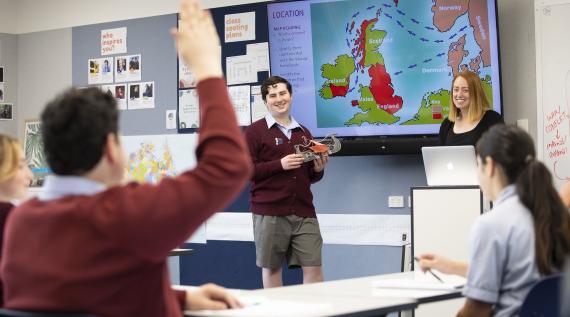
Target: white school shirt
{"x": 502, "y": 265}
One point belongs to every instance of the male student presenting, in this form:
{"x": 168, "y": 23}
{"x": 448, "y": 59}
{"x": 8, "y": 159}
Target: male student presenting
{"x": 89, "y": 244}
{"x": 284, "y": 219}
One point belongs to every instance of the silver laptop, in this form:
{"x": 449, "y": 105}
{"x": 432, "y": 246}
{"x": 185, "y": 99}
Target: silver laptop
{"x": 450, "y": 165}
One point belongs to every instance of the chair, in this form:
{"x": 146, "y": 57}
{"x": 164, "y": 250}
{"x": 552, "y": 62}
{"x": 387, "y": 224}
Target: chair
{"x": 543, "y": 300}
{"x": 21, "y": 313}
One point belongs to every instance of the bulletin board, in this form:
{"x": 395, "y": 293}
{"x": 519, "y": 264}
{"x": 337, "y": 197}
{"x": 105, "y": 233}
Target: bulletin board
{"x": 245, "y": 61}
{"x": 149, "y": 39}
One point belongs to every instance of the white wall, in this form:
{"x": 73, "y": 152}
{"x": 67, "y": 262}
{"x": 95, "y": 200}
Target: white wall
{"x": 44, "y": 68}
{"x": 516, "y": 36}
{"x": 44, "y": 15}
{"x": 8, "y": 16}
{"x": 9, "y": 60}
{"x": 518, "y": 61}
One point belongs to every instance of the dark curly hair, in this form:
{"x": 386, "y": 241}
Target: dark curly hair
{"x": 75, "y": 126}
{"x": 271, "y": 82}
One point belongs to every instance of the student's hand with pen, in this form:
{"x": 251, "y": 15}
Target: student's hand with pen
{"x": 428, "y": 261}
{"x": 212, "y": 297}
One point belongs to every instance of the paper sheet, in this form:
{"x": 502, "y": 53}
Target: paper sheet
{"x": 240, "y": 97}
{"x": 274, "y": 308}
{"x": 240, "y": 70}
{"x": 423, "y": 281}
{"x": 188, "y": 109}
{"x": 259, "y": 53}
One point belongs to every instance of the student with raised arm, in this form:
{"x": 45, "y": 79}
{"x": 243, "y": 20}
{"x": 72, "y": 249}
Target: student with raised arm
{"x": 90, "y": 244}
{"x": 524, "y": 237}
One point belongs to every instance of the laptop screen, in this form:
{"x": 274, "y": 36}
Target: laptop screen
{"x": 450, "y": 165}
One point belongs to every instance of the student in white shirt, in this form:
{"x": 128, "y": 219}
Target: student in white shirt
{"x": 525, "y": 236}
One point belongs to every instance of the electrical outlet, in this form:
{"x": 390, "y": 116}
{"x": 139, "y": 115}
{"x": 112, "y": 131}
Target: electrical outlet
{"x": 395, "y": 201}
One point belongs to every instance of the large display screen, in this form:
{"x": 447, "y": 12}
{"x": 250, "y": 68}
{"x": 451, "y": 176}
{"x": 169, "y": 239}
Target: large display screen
{"x": 378, "y": 68}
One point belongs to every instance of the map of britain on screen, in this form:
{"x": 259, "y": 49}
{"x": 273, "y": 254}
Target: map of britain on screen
{"x": 396, "y": 59}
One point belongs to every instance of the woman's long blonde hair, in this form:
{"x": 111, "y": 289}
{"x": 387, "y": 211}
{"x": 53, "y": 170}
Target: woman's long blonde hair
{"x": 9, "y": 157}
{"x": 478, "y": 102}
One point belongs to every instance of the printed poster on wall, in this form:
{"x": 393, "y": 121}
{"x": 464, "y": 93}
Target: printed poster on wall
{"x": 189, "y": 111}
{"x": 119, "y": 92}
{"x": 239, "y": 27}
{"x": 6, "y": 111}
{"x": 141, "y": 96}
{"x": 2, "y": 92}
{"x": 100, "y": 71}
{"x": 114, "y": 41}
{"x": 128, "y": 68}
{"x": 240, "y": 97}
{"x": 170, "y": 119}
{"x": 185, "y": 76}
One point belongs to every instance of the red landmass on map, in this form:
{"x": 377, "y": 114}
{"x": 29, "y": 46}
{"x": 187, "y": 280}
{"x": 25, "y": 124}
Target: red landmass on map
{"x": 354, "y": 103}
{"x": 446, "y": 12}
{"x": 338, "y": 91}
{"x": 456, "y": 54}
{"x": 361, "y": 41}
{"x": 381, "y": 89}
{"x": 479, "y": 20}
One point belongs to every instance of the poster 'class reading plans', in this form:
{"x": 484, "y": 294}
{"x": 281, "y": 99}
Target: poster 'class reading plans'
{"x": 128, "y": 68}
{"x": 100, "y": 71}
{"x": 114, "y": 41}
{"x": 119, "y": 92}
{"x": 189, "y": 112}
{"x": 141, "y": 95}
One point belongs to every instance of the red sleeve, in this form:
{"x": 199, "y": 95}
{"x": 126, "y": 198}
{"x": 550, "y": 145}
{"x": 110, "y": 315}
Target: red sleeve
{"x": 151, "y": 220}
{"x": 181, "y": 298}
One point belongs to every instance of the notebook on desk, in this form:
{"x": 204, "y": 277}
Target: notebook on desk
{"x": 450, "y": 165}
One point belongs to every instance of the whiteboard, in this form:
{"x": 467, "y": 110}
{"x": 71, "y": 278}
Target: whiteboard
{"x": 552, "y": 29}
{"x": 442, "y": 218}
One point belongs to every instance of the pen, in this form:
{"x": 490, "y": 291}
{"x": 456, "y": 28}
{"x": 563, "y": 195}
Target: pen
{"x": 430, "y": 271}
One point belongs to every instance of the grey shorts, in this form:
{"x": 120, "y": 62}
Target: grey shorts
{"x": 292, "y": 237}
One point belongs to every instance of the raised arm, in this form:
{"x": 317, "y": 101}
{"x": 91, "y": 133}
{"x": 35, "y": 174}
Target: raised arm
{"x": 155, "y": 219}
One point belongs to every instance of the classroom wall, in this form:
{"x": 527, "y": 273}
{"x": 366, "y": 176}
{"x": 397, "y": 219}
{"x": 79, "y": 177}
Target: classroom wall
{"x": 8, "y": 16}
{"x": 9, "y": 60}
{"x": 352, "y": 184}
{"x": 44, "y": 67}
{"x": 518, "y": 60}
{"x": 36, "y": 15}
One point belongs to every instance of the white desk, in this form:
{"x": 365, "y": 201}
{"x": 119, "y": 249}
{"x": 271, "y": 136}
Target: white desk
{"x": 350, "y": 297}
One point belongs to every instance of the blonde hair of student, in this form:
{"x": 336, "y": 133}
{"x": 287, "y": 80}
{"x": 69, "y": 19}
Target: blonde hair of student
{"x": 9, "y": 157}
{"x": 478, "y": 102}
